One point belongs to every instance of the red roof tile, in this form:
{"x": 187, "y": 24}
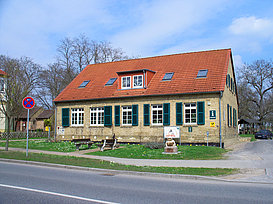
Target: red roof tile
{"x": 185, "y": 67}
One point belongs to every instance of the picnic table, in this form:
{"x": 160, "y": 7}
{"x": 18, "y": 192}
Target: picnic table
{"x": 80, "y": 142}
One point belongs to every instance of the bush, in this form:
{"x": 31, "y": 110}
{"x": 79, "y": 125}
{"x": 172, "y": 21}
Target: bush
{"x": 154, "y": 145}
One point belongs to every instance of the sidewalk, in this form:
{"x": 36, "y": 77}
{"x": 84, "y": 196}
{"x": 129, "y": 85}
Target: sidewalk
{"x": 252, "y": 169}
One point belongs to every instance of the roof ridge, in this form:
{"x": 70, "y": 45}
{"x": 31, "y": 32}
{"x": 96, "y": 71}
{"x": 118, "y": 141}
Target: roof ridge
{"x": 161, "y": 56}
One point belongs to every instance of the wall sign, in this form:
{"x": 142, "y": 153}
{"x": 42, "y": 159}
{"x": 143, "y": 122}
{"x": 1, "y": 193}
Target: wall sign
{"x": 212, "y": 124}
{"x": 171, "y": 132}
{"x": 212, "y": 114}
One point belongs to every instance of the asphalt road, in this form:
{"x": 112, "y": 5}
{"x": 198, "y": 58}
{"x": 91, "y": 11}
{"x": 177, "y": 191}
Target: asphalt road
{"x": 21, "y": 183}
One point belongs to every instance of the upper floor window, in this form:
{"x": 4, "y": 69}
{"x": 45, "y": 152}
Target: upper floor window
{"x": 138, "y": 81}
{"x": 2, "y": 85}
{"x": 126, "y": 82}
{"x": 190, "y": 113}
{"x": 77, "y": 116}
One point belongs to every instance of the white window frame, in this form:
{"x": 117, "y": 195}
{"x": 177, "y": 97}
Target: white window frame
{"x": 96, "y": 116}
{"x": 137, "y": 77}
{"x": 191, "y": 108}
{"x": 157, "y": 108}
{"x": 126, "y": 87}
{"x": 127, "y": 115}
{"x": 77, "y": 117}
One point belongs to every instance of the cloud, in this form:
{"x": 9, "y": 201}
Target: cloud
{"x": 162, "y": 22}
{"x": 249, "y": 26}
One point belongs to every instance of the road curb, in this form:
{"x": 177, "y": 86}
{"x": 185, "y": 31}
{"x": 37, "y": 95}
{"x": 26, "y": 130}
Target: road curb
{"x": 111, "y": 172}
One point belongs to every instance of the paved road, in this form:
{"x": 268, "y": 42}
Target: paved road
{"x": 20, "y": 183}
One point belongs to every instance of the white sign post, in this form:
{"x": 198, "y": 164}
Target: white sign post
{"x": 28, "y": 103}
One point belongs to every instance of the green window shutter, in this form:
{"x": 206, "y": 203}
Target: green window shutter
{"x": 135, "y": 115}
{"x": 234, "y": 118}
{"x": 228, "y": 114}
{"x": 201, "y": 113}
{"x": 107, "y": 115}
{"x": 65, "y": 117}
{"x": 117, "y": 115}
{"x": 166, "y": 113}
{"x": 228, "y": 80}
{"x": 179, "y": 114}
{"x": 146, "y": 111}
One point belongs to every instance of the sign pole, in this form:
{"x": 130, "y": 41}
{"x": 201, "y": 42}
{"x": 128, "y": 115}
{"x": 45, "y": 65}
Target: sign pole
{"x": 27, "y": 131}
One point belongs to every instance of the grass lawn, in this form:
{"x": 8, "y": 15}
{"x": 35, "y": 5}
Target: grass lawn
{"x": 94, "y": 163}
{"x": 142, "y": 152}
{"x": 44, "y": 145}
{"x": 248, "y": 135}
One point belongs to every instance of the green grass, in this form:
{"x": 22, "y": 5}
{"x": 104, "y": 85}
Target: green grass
{"x": 44, "y": 145}
{"x": 187, "y": 153}
{"x": 249, "y": 135}
{"x": 94, "y": 163}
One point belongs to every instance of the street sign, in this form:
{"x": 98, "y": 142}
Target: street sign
{"x": 28, "y": 103}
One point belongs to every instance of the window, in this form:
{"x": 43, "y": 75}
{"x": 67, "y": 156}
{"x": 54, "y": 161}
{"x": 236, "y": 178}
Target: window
{"x": 157, "y": 115}
{"x": 168, "y": 76}
{"x": 202, "y": 73}
{"x": 190, "y": 113}
{"x": 77, "y": 116}
{"x": 127, "y": 115}
{"x": 2, "y": 85}
{"x": 111, "y": 82}
{"x": 97, "y": 116}
{"x": 84, "y": 84}
{"x": 126, "y": 82}
{"x": 138, "y": 81}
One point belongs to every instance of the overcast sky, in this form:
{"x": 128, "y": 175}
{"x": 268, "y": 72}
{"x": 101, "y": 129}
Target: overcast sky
{"x": 144, "y": 28}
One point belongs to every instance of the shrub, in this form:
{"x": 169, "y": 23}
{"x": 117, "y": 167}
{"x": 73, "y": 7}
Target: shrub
{"x": 154, "y": 145}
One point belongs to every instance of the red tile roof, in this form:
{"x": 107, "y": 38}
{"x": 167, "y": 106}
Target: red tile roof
{"x": 3, "y": 73}
{"x": 185, "y": 67}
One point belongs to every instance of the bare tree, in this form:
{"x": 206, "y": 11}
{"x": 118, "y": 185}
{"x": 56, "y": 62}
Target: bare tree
{"x": 21, "y": 80}
{"x": 257, "y": 80}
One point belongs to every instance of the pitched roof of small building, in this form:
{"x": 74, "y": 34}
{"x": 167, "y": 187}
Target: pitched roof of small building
{"x": 45, "y": 114}
{"x": 23, "y": 114}
{"x": 184, "y": 81}
{"x": 2, "y": 73}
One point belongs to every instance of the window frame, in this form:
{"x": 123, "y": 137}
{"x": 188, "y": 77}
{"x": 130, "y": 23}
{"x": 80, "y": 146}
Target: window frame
{"x": 76, "y": 118}
{"x": 155, "y": 107}
{"x": 99, "y": 116}
{"x": 126, "y": 87}
{"x": 125, "y": 110}
{"x": 185, "y": 114}
{"x": 137, "y": 80}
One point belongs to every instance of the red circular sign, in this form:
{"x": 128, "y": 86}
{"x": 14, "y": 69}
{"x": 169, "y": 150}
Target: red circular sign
{"x": 28, "y": 103}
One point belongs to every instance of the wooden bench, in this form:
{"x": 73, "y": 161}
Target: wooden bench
{"x": 112, "y": 143}
{"x": 80, "y": 142}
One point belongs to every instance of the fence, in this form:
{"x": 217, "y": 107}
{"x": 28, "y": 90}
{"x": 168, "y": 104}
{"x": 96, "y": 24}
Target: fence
{"x": 21, "y": 135}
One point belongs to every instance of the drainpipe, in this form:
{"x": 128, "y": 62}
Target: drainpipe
{"x": 144, "y": 79}
{"x": 55, "y": 123}
{"x": 220, "y": 121}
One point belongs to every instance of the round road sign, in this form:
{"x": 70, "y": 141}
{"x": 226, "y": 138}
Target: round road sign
{"x": 28, "y": 103}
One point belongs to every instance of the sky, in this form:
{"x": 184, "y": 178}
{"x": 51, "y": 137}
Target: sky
{"x": 144, "y": 28}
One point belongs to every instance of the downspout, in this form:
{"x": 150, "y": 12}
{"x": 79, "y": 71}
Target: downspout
{"x": 220, "y": 121}
{"x": 144, "y": 78}
{"x": 55, "y": 123}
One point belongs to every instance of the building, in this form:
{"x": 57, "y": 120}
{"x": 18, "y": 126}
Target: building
{"x": 135, "y": 99}
{"x": 3, "y": 85}
{"x": 37, "y": 115}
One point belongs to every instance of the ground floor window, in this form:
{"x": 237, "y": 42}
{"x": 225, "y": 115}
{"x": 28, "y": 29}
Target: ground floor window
{"x": 190, "y": 113}
{"x": 77, "y": 116}
{"x": 97, "y": 116}
{"x": 127, "y": 115}
{"x": 157, "y": 114}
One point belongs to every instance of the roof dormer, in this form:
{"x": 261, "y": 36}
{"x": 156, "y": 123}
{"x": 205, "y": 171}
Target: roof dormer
{"x": 134, "y": 79}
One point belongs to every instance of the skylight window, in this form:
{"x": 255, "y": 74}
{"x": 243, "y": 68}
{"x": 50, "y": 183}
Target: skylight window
{"x": 84, "y": 83}
{"x": 111, "y": 82}
{"x": 168, "y": 76}
{"x": 202, "y": 73}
